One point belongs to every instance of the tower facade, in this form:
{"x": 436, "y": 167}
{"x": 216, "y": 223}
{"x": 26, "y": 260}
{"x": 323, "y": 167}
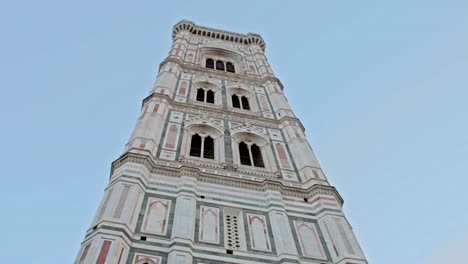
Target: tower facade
{"x": 218, "y": 169}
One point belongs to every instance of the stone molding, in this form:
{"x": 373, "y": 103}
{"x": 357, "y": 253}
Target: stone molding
{"x": 177, "y": 169}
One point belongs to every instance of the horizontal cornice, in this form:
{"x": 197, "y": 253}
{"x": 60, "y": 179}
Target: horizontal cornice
{"x": 262, "y": 184}
{"x": 224, "y": 113}
{"x": 235, "y": 77}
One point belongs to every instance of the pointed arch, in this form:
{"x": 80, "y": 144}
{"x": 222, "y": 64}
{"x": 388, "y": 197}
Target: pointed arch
{"x": 244, "y": 154}
{"x": 235, "y": 101}
{"x": 196, "y": 146}
{"x": 245, "y": 103}
{"x": 200, "y": 95}
{"x": 257, "y": 156}
{"x": 210, "y": 98}
{"x": 208, "y": 148}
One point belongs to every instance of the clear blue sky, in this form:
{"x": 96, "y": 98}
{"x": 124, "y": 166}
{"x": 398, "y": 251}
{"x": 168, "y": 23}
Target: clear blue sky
{"x": 380, "y": 87}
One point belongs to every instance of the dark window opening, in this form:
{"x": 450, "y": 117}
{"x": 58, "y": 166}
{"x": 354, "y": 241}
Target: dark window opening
{"x": 245, "y": 103}
{"x": 143, "y": 238}
{"x": 195, "y": 146}
{"x": 235, "y": 101}
{"x": 95, "y": 227}
{"x": 208, "y": 148}
{"x": 200, "y": 95}
{"x": 230, "y": 67}
{"x": 210, "y": 63}
{"x": 220, "y": 65}
{"x": 228, "y": 251}
{"x": 210, "y": 97}
{"x": 202, "y": 196}
{"x": 257, "y": 156}
{"x": 244, "y": 154}
{"x": 306, "y": 200}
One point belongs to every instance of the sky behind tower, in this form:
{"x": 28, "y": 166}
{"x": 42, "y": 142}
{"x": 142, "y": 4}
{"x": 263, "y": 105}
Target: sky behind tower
{"x": 380, "y": 86}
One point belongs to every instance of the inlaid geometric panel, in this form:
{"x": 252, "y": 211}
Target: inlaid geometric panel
{"x": 209, "y": 224}
{"x": 258, "y": 231}
{"x": 156, "y": 216}
{"x": 172, "y": 134}
{"x": 141, "y": 259}
{"x": 231, "y": 223}
{"x": 309, "y": 240}
{"x": 283, "y": 156}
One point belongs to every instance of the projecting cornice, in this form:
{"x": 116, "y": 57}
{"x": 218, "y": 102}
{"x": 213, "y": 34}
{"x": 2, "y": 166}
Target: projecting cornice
{"x": 176, "y": 169}
{"x": 223, "y": 113}
{"x": 192, "y": 68}
{"x": 246, "y": 39}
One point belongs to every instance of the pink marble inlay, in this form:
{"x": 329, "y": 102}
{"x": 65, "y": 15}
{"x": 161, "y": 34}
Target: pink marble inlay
{"x": 171, "y": 138}
{"x": 122, "y": 200}
{"x": 104, "y": 251}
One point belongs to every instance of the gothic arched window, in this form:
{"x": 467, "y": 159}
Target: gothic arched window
{"x": 235, "y": 101}
{"x": 241, "y": 102}
{"x": 210, "y": 63}
{"x": 250, "y": 154}
{"x": 208, "y": 148}
{"x": 202, "y": 147}
{"x": 201, "y": 95}
{"x": 196, "y": 146}
{"x": 230, "y": 67}
{"x": 206, "y": 96}
{"x": 210, "y": 97}
{"x": 244, "y": 154}
{"x": 220, "y": 65}
{"x": 245, "y": 103}
{"x": 257, "y": 156}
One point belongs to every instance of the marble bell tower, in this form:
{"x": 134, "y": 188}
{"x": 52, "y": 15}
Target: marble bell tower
{"x": 218, "y": 168}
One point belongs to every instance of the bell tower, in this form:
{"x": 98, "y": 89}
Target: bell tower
{"x": 218, "y": 169}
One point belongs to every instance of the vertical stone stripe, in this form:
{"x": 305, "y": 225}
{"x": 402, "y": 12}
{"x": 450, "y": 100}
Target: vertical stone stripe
{"x": 156, "y": 107}
{"x": 120, "y": 256}
{"x": 190, "y": 57}
{"x": 264, "y": 103}
{"x": 104, "y": 206}
{"x": 344, "y": 237}
{"x": 282, "y": 156}
{"x": 183, "y": 88}
{"x": 171, "y": 137}
{"x": 310, "y": 243}
{"x": 104, "y": 251}
{"x": 252, "y": 69}
{"x": 331, "y": 239}
{"x": 83, "y": 255}
{"x": 122, "y": 200}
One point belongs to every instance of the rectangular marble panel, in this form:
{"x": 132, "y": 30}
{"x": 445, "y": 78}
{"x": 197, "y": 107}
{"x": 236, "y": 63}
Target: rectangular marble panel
{"x": 258, "y": 232}
{"x": 209, "y": 224}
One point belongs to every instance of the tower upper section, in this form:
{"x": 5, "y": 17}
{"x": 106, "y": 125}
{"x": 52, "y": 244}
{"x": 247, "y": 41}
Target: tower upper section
{"x": 246, "y": 39}
{"x": 217, "y": 108}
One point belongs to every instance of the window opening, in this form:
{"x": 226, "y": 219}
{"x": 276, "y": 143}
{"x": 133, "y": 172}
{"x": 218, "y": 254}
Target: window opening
{"x": 209, "y": 63}
{"x": 257, "y": 156}
{"x": 230, "y": 67}
{"x": 244, "y": 154}
{"x": 208, "y": 148}
{"x": 210, "y": 97}
{"x": 245, "y": 103}
{"x": 235, "y": 101}
{"x": 195, "y": 146}
{"x": 220, "y": 65}
{"x": 200, "y": 95}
